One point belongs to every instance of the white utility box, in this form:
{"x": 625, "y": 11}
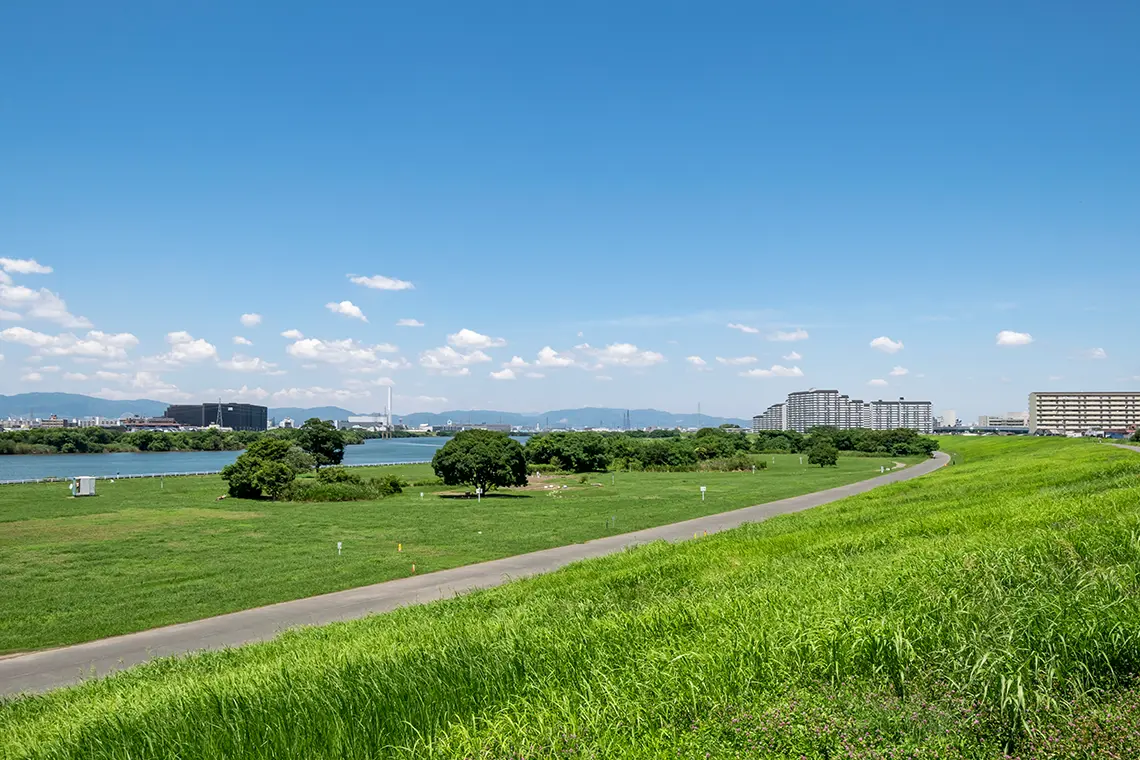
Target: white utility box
{"x": 85, "y": 486}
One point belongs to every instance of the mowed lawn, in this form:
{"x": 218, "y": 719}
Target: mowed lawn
{"x": 143, "y": 554}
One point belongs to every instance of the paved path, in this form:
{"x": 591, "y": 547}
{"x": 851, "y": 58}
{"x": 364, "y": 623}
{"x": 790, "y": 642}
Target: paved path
{"x": 53, "y": 668}
{"x": 1126, "y": 446}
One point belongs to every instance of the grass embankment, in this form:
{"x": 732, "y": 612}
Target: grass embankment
{"x": 989, "y": 606}
{"x": 143, "y": 553}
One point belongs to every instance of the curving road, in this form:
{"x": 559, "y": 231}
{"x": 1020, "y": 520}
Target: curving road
{"x": 54, "y": 668}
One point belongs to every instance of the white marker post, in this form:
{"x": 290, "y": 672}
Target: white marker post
{"x": 703, "y": 489}
{"x": 479, "y": 495}
{"x": 801, "y": 460}
{"x": 421, "y": 494}
{"x": 338, "y": 548}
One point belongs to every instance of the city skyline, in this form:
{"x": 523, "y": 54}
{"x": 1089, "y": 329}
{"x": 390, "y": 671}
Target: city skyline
{"x": 470, "y": 209}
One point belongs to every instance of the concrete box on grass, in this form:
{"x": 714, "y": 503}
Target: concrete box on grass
{"x": 85, "y": 486}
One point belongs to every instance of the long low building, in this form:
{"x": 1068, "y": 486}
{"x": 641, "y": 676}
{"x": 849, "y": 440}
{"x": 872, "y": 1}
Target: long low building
{"x": 1083, "y": 412}
{"x": 233, "y": 416}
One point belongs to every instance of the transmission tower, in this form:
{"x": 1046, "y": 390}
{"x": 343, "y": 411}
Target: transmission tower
{"x": 219, "y": 422}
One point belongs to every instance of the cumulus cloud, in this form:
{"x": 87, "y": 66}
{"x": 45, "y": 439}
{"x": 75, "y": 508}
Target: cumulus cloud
{"x": 382, "y": 364}
{"x": 96, "y": 343}
{"x": 348, "y": 309}
{"x": 1096, "y": 353}
{"x": 470, "y": 339}
{"x": 105, "y": 375}
{"x": 380, "y": 282}
{"x": 899, "y": 371}
{"x": 792, "y": 357}
{"x": 409, "y": 323}
{"x": 886, "y": 345}
{"x": 1011, "y": 338}
{"x": 144, "y": 385}
{"x": 775, "y": 371}
{"x": 743, "y": 328}
{"x": 9, "y": 316}
{"x": 621, "y": 354}
{"x": 878, "y": 382}
{"x": 23, "y": 266}
{"x": 516, "y": 362}
{"x": 244, "y": 394}
{"x": 733, "y": 361}
{"x": 699, "y": 363}
{"x": 318, "y": 394}
{"x": 548, "y": 357}
{"x": 352, "y": 382}
{"x": 789, "y": 336}
{"x": 31, "y": 377}
{"x": 184, "y": 349}
{"x": 76, "y": 376}
{"x": 39, "y": 304}
{"x": 240, "y": 341}
{"x": 503, "y": 374}
{"x": 293, "y": 334}
{"x": 242, "y": 363}
{"x": 345, "y": 352}
{"x": 52, "y": 368}
{"x": 448, "y": 361}
{"x": 250, "y": 320}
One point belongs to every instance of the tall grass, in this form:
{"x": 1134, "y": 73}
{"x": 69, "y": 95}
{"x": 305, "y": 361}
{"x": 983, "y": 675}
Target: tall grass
{"x": 989, "y": 608}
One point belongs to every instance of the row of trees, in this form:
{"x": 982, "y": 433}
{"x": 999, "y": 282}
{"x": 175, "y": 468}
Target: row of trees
{"x": 272, "y": 462}
{"x": 97, "y": 440}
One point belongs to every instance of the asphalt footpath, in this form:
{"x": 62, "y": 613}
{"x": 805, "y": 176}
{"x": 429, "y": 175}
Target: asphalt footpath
{"x": 54, "y": 668}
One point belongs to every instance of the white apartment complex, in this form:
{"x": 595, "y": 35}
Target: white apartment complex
{"x": 1080, "y": 412}
{"x": 774, "y": 418}
{"x": 805, "y": 410}
{"x": 1009, "y": 419}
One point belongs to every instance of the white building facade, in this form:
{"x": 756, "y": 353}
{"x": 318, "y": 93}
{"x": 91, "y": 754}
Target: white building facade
{"x": 1081, "y": 412}
{"x": 774, "y": 418}
{"x": 809, "y": 409}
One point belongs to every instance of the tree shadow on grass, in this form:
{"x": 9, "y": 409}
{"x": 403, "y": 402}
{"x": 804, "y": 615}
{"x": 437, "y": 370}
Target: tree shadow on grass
{"x": 472, "y": 496}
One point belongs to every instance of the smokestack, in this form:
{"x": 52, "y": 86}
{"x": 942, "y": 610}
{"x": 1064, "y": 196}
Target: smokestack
{"x": 389, "y": 410}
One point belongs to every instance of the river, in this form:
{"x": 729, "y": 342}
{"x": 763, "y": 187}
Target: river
{"x": 35, "y": 466}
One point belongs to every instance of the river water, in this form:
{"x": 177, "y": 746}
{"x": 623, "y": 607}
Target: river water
{"x": 26, "y": 467}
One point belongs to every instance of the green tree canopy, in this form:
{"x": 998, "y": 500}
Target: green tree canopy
{"x": 481, "y": 458}
{"x": 261, "y": 469}
{"x": 321, "y": 439}
{"x": 824, "y": 454}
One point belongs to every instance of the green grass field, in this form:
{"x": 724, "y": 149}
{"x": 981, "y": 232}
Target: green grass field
{"x": 992, "y": 607}
{"x": 143, "y": 554}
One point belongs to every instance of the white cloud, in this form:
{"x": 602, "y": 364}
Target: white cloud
{"x": 603, "y": 378}
{"x": 31, "y": 377}
{"x": 23, "y": 266}
{"x": 737, "y": 360}
{"x": 621, "y": 354}
{"x": 775, "y": 371}
{"x": 548, "y": 357}
{"x": 293, "y": 334}
{"x": 699, "y": 363}
{"x": 145, "y": 385}
{"x": 319, "y": 395}
{"x": 793, "y": 356}
{"x": 878, "y": 382}
{"x": 516, "y": 362}
{"x": 1096, "y": 353}
{"x": 240, "y": 341}
{"x": 785, "y": 336}
{"x": 105, "y": 375}
{"x": 348, "y": 309}
{"x": 535, "y": 375}
{"x": 503, "y": 374}
{"x": 9, "y": 316}
{"x": 242, "y": 363}
{"x": 447, "y": 360}
{"x": 886, "y": 345}
{"x": 380, "y": 282}
{"x": 338, "y": 352}
{"x": 382, "y": 364}
{"x": 184, "y": 349}
{"x": 34, "y": 359}
{"x": 244, "y": 394}
{"x": 899, "y": 371}
{"x": 743, "y": 328}
{"x": 250, "y": 320}
{"x": 409, "y": 323}
{"x": 460, "y": 372}
{"x": 470, "y": 339}
{"x": 39, "y": 304}
{"x": 52, "y": 368}
{"x": 77, "y": 376}
{"x": 1011, "y": 338}
{"x": 96, "y": 343}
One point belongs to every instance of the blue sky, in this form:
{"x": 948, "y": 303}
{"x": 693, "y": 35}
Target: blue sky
{"x": 615, "y": 183}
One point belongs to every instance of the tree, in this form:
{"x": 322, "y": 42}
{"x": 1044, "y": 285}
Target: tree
{"x": 321, "y": 439}
{"x": 262, "y": 468}
{"x": 299, "y": 460}
{"x": 273, "y": 478}
{"x": 1136, "y": 437}
{"x": 824, "y": 454}
{"x": 481, "y": 458}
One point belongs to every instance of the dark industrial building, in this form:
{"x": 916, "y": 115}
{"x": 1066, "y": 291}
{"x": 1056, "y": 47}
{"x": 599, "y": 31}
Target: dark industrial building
{"x": 235, "y": 416}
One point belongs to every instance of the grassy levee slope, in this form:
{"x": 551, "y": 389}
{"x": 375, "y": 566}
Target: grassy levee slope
{"x": 992, "y": 606}
{"x": 143, "y": 554}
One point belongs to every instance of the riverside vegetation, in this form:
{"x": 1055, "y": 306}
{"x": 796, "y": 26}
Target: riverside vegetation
{"x": 989, "y": 610}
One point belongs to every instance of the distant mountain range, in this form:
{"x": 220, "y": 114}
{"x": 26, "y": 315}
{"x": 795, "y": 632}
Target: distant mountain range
{"x": 72, "y": 405}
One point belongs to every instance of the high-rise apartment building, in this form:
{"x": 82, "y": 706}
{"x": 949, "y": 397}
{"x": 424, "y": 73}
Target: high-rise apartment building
{"x": 774, "y": 418}
{"x": 1080, "y": 412}
{"x": 809, "y": 409}
{"x": 891, "y": 415}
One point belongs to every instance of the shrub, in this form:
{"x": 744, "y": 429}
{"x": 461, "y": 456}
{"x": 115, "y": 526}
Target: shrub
{"x": 338, "y": 475}
{"x": 300, "y": 460}
{"x": 345, "y": 490}
{"x": 273, "y": 478}
{"x": 824, "y": 454}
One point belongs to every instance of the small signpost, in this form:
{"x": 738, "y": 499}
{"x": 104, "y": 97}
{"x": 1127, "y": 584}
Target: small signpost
{"x": 338, "y": 548}
{"x": 703, "y": 489}
{"x": 479, "y": 495}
